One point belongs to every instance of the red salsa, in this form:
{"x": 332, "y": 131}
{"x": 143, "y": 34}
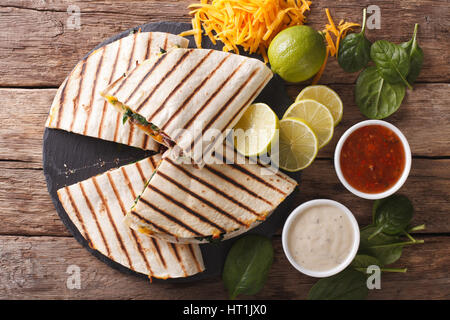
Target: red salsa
{"x": 372, "y": 159}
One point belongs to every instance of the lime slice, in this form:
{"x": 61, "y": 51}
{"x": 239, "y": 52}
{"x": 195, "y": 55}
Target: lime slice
{"x": 298, "y": 145}
{"x": 256, "y": 130}
{"x": 316, "y": 115}
{"x": 325, "y": 96}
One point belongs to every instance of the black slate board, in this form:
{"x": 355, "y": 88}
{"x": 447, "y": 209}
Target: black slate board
{"x": 69, "y": 158}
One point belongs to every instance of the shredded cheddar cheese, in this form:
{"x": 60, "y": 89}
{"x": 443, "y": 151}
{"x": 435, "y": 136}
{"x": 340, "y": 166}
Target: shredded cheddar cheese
{"x": 339, "y": 32}
{"x": 251, "y": 24}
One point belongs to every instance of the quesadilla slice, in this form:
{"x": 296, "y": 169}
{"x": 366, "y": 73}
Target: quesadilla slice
{"x": 97, "y": 207}
{"x": 188, "y": 98}
{"x": 189, "y": 205}
{"x": 78, "y": 106}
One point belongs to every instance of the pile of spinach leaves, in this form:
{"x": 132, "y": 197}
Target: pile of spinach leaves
{"x": 381, "y": 244}
{"x": 380, "y": 87}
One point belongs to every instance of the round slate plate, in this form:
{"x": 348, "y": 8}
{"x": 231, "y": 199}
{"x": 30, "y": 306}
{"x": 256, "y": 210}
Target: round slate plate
{"x": 69, "y": 158}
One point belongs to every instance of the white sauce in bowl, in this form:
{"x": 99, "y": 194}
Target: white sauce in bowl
{"x": 321, "y": 237}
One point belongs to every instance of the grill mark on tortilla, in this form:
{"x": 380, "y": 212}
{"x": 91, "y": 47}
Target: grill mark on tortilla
{"x": 116, "y": 129}
{"x": 194, "y": 91}
{"x": 155, "y": 65}
{"x": 94, "y": 87}
{"x": 138, "y": 166}
{"x": 203, "y": 200}
{"x": 159, "y": 228}
{"x": 120, "y": 114}
{"x": 167, "y": 215}
{"x": 197, "y": 263}
{"x": 177, "y": 256}
{"x": 62, "y": 97}
{"x": 130, "y": 134}
{"x": 163, "y": 79}
{"x": 149, "y": 45}
{"x": 203, "y": 107}
{"x": 152, "y": 162}
{"x": 165, "y": 41}
{"x": 268, "y": 167}
{"x": 89, "y": 204}
{"x": 76, "y": 100}
{"x": 145, "y": 141}
{"x": 130, "y": 59}
{"x": 110, "y": 79}
{"x": 128, "y": 181}
{"x": 132, "y": 51}
{"x": 79, "y": 217}
{"x": 141, "y": 251}
{"x": 252, "y": 97}
{"x": 221, "y": 111}
{"x": 236, "y": 183}
{"x": 252, "y": 175}
{"x": 158, "y": 251}
{"x": 110, "y": 218}
{"x": 124, "y": 212}
{"x": 213, "y": 188}
{"x": 181, "y": 83}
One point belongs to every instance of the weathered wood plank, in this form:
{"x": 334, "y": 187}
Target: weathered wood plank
{"x": 26, "y": 207}
{"x": 24, "y": 113}
{"x": 40, "y": 49}
{"x": 36, "y": 268}
{"x": 423, "y": 118}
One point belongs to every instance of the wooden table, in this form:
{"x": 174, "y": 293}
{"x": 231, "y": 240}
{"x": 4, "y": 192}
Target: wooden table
{"x": 37, "y": 50}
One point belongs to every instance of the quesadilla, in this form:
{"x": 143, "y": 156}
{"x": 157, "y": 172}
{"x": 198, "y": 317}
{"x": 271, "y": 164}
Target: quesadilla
{"x": 97, "y": 207}
{"x": 173, "y": 95}
{"x": 78, "y": 106}
{"x": 184, "y": 204}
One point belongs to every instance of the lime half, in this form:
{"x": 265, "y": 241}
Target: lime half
{"x": 256, "y": 130}
{"x": 316, "y": 115}
{"x": 325, "y": 96}
{"x": 298, "y": 145}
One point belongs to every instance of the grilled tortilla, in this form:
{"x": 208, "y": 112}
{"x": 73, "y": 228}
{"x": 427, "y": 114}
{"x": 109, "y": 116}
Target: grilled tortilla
{"x": 78, "y": 106}
{"x": 189, "y": 205}
{"x": 97, "y": 207}
{"x": 189, "y": 89}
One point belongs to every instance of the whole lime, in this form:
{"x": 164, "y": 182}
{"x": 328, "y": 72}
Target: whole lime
{"x": 297, "y": 53}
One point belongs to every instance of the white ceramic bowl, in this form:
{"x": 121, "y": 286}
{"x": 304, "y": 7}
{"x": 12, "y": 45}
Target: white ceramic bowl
{"x": 299, "y": 210}
{"x": 401, "y": 180}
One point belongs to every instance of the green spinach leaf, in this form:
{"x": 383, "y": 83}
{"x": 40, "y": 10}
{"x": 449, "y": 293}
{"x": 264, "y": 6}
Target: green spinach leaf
{"x": 416, "y": 56}
{"x": 376, "y": 98}
{"x": 346, "y": 285}
{"x": 392, "y": 61}
{"x": 247, "y": 265}
{"x": 393, "y": 216}
{"x": 375, "y": 207}
{"x": 362, "y": 261}
{"x": 354, "y": 50}
{"x": 387, "y": 249}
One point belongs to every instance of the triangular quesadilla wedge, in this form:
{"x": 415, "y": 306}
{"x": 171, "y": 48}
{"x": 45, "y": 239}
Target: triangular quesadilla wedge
{"x": 97, "y": 207}
{"x": 188, "y": 98}
{"x": 189, "y": 205}
{"x": 78, "y": 106}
